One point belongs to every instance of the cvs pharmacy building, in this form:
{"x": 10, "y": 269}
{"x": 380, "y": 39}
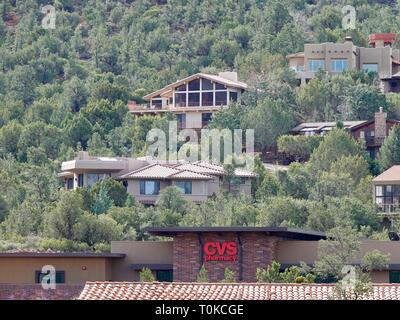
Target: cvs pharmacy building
{"x": 241, "y": 249}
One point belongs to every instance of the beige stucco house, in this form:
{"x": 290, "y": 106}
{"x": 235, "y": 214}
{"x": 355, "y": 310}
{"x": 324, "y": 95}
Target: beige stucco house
{"x": 386, "y": 191}
{"x": 193, "y": 99}
{"x": 145, "y": 178}
{"x": 337, "y": 57}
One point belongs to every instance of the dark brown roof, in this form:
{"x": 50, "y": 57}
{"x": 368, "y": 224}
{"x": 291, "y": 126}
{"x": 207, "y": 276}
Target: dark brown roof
{"x": 276, "y": 231}
{"x": 224, "y": 291}
{"x": 60, "y": 255}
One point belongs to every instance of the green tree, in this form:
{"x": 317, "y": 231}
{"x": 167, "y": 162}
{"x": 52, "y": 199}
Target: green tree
{"x": 102, "y": 201}
{"x": 269, "y": 119}
{"x": 389, "y": 154}
{"x": 115, "y": 190}
{"x": 171, "y": 199}
{"x": 146, "y": 275}
{"x": 299, "y": 147}
{"x": 63, "y": 218}
{"x": 335, "y": 145}
{"x": 202, "y": 276}
{"x": 229, "y": 276}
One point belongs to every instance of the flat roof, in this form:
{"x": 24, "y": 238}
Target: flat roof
{"x": 60, "y": 255}
{"x": 290, "y": 233}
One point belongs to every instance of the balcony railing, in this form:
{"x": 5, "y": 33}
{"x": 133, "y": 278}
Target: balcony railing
{"x": 373, "y": 141}
{"x": 133, "y": 106}
{"x": 389, "y": 208}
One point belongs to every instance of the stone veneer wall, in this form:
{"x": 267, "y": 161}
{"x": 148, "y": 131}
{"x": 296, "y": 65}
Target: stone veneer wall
{"x": 257, "y": 250}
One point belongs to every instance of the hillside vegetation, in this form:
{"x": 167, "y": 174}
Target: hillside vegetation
{"x": 65, "y": 89}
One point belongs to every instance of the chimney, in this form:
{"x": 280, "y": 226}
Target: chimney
{"x": 230, "y": 75}
{"x": 83, "y": 155}
{"x": 380, "y": 124}
{"x": 348, "y": 39}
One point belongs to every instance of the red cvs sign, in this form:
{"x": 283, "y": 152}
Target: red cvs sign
{"x": 220, "y": 251}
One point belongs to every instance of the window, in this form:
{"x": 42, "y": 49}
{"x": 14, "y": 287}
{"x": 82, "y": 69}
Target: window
{"x": 80, "y": 180}
{"x": 315, "y": 65}
{"x": 184, "y": 186}
{"x": 181, "y": 88}
{"x": 194, "y": 99}
{"x": 206, "y": 117}
{"x": 394, "y": 276}
{"x": 233, "y": 96}
{"x": 180, "y": 99}
{"x": 220, "y": 98}
{"x": 219, "y": 86}
{"x": 207, "y": 84}
{"x": 181, "y": 117}
{"x": 194, "y": 85}
{"x": 60, "y": 276}
{"x": 149, "y": 187}
{"x": 70, "y": 183}
{"x": 94, "y": 177}
{"x": 370, "y": 67}
{"x": 164, "y": 275}
{"x": 339, "y": 65}
{"x": 207, "y": 99}
{"x": 156, "y": 103}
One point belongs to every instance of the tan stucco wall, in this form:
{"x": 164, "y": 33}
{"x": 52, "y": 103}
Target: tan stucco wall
{"x": 380, "y": 276}
{"x": 154, "y": 252}
{"x": 22, "y": 270}
{"x": 292, "y": 251}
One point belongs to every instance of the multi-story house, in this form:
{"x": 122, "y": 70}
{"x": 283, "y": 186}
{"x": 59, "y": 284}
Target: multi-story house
{"x": 386, "y": 191}
{"x": 338, "y": 57}
{"x": 145, "y": 178}
{"x": 193, "y": 99}
{"x": 373, "y": 131}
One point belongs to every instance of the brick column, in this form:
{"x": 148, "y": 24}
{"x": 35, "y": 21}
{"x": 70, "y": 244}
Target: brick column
{"x": 258, "y": 252}
{"x": 186, "y": 257}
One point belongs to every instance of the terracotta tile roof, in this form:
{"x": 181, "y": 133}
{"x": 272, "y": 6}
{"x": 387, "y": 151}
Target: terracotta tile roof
{"x": 151, "y": 171}
{"x": 199, "y": 170}
{"x": 186, "y": 174}
{"x": 390, "y": 175}
{"x": 220, "y": 291}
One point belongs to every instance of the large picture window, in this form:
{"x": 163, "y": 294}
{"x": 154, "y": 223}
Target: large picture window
{"x": 94, "y": 177}
{"x": 370, "y": 67}
{"x": 220, "y": 98}
{"x": 194, "y": 99}
{"x": 149, "y": 187}
{"x": 194, "y": 85}
{"x": 184, "y": 186}
{"x": 315, "y": 65}
{"x": 339, "y": 65}
{"x": 180, "y": 99}
{"x": 207, "y": 99}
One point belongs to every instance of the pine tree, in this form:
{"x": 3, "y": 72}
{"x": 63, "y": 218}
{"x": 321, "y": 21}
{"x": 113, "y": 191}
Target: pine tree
{"x": 202, "y": 276}
{"x": 390, "y": 150}
{"x": 102, "y": 201}
{"x": 229, "y": 276}
{"x": 146, "y": 275}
